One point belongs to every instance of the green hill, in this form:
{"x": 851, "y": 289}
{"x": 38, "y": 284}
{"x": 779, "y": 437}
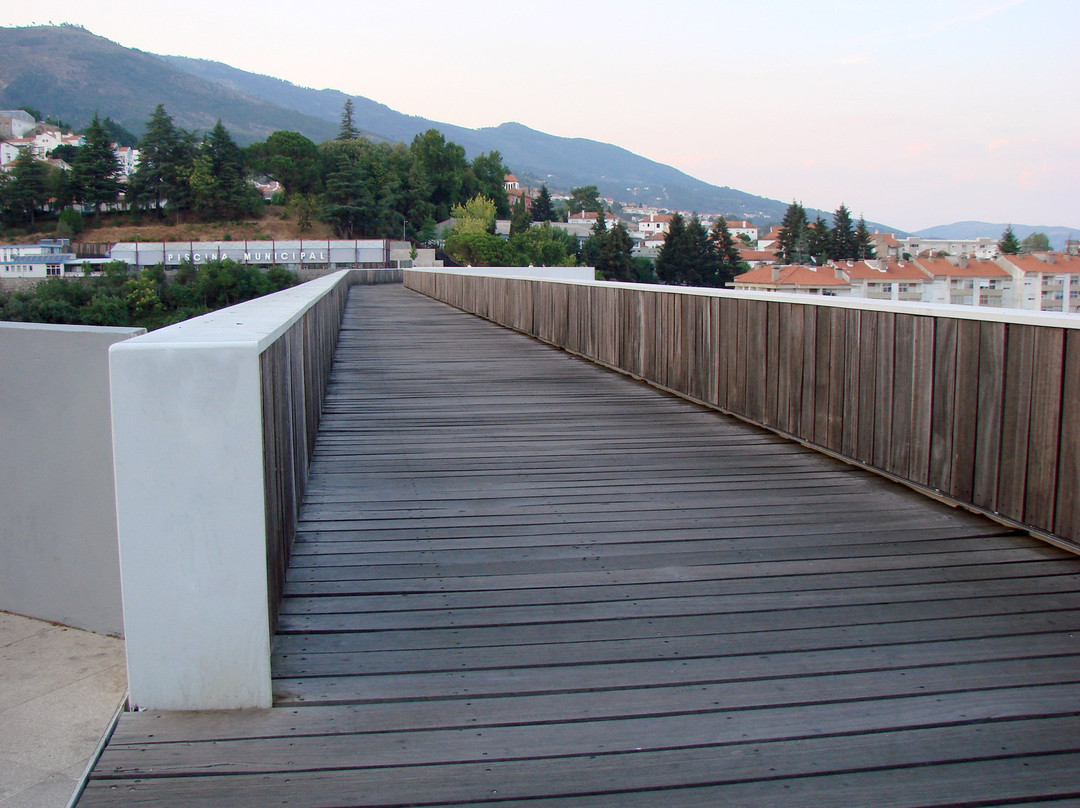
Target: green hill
{"x": 69, "y": 73}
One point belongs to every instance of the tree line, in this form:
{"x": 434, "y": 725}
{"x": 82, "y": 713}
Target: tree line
{"x": 149, "y": 299}
{"x": 805, "y": 242}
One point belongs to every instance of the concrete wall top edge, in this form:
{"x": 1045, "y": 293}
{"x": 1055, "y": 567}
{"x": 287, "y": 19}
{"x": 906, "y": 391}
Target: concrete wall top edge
{"x": 958, "y": 312}
{"x": 127, "y": 331}
{"x": 255, "y": 322}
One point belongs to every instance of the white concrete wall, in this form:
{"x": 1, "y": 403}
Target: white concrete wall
{"x": 58, "y": 546}
{"x": 188, "y": 443}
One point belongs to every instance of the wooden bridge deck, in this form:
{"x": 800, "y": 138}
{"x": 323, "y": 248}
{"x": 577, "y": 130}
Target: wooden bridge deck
{"x": 520, "y": 579}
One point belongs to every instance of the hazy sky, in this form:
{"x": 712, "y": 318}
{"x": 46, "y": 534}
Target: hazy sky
{"x": 913, "y": 113}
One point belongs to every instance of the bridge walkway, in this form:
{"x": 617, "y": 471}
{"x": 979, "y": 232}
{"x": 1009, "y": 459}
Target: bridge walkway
{"x": 524, "y": 580}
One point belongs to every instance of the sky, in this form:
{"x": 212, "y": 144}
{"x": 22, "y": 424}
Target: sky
{"x": 911, "y": 113}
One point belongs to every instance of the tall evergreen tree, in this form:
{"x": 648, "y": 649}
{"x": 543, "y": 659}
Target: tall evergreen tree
{"x": 520, "y": 218}
{"x": 671, "y": 260}
{"x": 1009, "y": 244}
{"x": 348, "y": 130}
{"x": 27, "y": 191}
{"x": 793, "y": 241}
{"x": 542, "y": 209}
{"x": 703, "y": 264}
{"x": 864, "y": 242}
{"x": 843, "y": 235}
{"x": 727, "y": 251}
{"x": 347, "y": 202}
{"x": 159, "y": 176}
{"x": 593, "y": 246}
{"x": 819, "y": 240}
{"x": 95, "y": 170}
{"x": 615, "y": 261}
{"x": 219, "y": 179}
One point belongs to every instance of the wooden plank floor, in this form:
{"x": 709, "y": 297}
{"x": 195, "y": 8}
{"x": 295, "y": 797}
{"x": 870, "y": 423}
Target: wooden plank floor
{"x": 520, "y": 579}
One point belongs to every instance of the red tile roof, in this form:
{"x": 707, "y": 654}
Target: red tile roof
{"x": 940, "y": 268}
{"x": 793, "y": 275}
{"x": 1056, "y": 263}
{"x": 870, "y": 271}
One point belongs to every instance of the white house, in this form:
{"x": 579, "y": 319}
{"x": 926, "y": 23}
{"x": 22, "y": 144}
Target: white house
{"x": 655, "y": 223}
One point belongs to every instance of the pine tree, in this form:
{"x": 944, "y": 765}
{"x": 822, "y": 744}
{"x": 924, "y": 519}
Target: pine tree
{"x": 703, "y": 261}
{"x": 864, "y": 242}
{"x": 593, "y": 246}
{"x": 95, "y": 169}
{"x": 1009, "y": 244}
{"x": 26, "y": 193}
{"x": 348, "y": 129}
{"x": 843, "y": 235}
{"x": 520, "y": 218}
{"x": 819, "y": 240}
{"x": 615, "y": 261}
{"x": 670, "y": 261}
{"x": 727, "y": 251}
{"x": 158, "y": 177}
{"x": 542, "y": 210}
{"x": 793, "y": 235}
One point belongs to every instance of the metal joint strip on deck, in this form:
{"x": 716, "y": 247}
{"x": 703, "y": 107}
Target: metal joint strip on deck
{"x": 520, "y": 579}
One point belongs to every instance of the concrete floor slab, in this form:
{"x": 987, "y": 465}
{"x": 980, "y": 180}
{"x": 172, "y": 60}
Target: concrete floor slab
{"x": 59, "y": 689}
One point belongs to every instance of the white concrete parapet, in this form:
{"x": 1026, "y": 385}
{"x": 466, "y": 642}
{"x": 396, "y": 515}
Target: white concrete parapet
{"x": 191, "y": 510}
{"x": 58, "y": 558}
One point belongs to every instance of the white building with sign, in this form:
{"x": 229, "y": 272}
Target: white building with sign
{"x": 294, "y": 255}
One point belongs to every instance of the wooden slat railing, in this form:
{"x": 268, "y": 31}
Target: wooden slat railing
{"x": 294, "y": 370}
{"x": 979, "y": 407}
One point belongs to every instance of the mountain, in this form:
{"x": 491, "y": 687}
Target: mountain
{"x": 535, "y": 157}
{"x": 1057, "y": 235}
{"x": 68, "y": 73}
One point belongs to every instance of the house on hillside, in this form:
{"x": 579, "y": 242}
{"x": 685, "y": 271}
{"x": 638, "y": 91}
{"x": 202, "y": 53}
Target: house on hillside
{"x": 655, "y": 223}
{"x": 515, "y": 192}
{"x": 742, "y": 227}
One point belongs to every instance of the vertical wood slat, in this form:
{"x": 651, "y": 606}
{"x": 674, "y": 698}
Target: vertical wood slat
{"x": 852, "y": 363}
{"x": 772, "y": 353}
{"x": 807, "y": 415}
{"x": 965, "y": 410}
{"x": 922, "y": 399}
{"x": 883, "y": 387}
{"x": 822, "y": 365}
{"x": 1045, "y": 431}
{"x": 868, "y": 354}
{"x": 1067, "y": 512}
{"x": 974, "y": 409}
{"x": 900, "y": 440}
{"x": 941, "y": 418}
{"x": 1015, "y": 420}
{"x": 989, "y": 414}
{"x": 837, "y": 379}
